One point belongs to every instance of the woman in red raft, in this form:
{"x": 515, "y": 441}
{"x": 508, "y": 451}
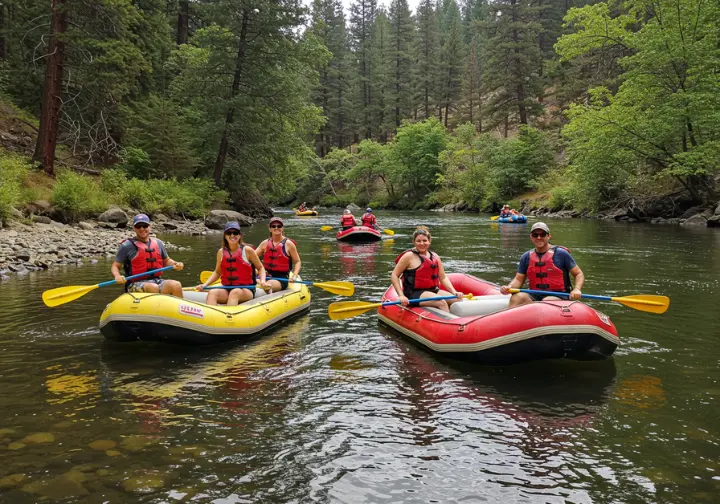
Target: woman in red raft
{"x": 419, "y": 273}
{"x": 236, "y": 264}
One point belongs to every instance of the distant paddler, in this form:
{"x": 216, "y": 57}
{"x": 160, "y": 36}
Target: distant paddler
{"x": 279, "y": 256}
{"x": 236, "y": 263}
{"x": 140, "y": 254}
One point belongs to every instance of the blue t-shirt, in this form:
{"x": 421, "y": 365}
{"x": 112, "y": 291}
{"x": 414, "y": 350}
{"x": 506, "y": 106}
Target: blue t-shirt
{"x": 128, "y": 251}
{"x": 562, "y": 259}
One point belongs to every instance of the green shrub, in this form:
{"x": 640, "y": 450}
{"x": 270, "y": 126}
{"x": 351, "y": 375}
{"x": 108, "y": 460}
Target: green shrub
{"x": 135, "y": 161}
{"x": 113, "y": 181}
{"x": 77, "y": 196}
{"x": 189, "y": 198}
{"x": 12, "y": 170}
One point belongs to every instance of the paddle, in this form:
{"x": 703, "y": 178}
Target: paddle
{"x": 495, "y": 217}
{"x": 347, "y": 309}
{"x": 642, "y": 302}
{"x": 62, "y": 295}
{"x": 386, "y": 231}
{"x": 339, "y": 288}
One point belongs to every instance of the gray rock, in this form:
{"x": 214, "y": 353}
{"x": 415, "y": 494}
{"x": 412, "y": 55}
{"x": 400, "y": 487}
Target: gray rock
{"x": 16, "y": 268}
{"x": 717, "y": 209}
{"x": 38, "y": 207}
{"x": 93, "y": 261}
{"x": 87, "y": 226}
{"x": 695, "y": 220}
{"x": 714, "y": 221}
{"x": 617, "y": 214}
{"x": 4, "y": 278}
{"x": 353, "y": 207}
{"x": 170, "y": 225}
{"x": 691, "y": 212}
{"x": 41, "y": 219}
{"x": 159, "y": 217}
{"x": 23, "y": 255}
{"x": 114, "y": 215}
{"x": 56, "y": 224}
{"x": 217, "y": 219}
{"x": 16, "y": 213}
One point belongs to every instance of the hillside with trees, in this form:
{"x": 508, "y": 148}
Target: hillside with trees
{"x": 564, "y": 104}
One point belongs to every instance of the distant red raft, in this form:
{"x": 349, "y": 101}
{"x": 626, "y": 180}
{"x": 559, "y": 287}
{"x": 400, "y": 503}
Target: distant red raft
{"x": 357, "y": 234}
{"x": 487, "y": 331}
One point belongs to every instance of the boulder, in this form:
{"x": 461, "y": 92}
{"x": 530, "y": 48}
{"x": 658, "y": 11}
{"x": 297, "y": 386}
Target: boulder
{"x": 41, "y": 219}
{"x": 217, "y": 219}
{"x": 616, "y": 214}
{"x": 691, "y": 212}
{"x": 170, "y": 225}
{"x": 87, "y": 226}
{"x": 115, "y": 216}
{"x": 695, "y": 220}
{"x": 353, "y": 207}
{"x": 714, "y": 221}
{"x": 38, "y": 207}
{"x": 717, "y": 209}
{"x": 159, "y": 217}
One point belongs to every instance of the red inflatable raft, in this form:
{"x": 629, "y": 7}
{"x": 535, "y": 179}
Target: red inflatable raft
{"x": 357, "y": 234}
{"x": 485, "y": 330}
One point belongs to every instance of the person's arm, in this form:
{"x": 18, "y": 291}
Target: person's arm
{"x": 166, "y": 258}
{"x": 445, "y": 281}
{"x": 297, "y": 263}
{"x": 255, "y": 261}
{"x": 515, "y": 283}
{"x": 115, "y": 272}
{"x": 215, "y": 274}
{"x": 400, "y": 267}
{"x": 579, "y": 277}
{"x": 260, "y": 250}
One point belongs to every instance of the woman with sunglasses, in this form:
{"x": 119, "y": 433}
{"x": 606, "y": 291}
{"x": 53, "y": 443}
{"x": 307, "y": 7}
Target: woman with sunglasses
{"x": 548, "y": 267}
{"x": 236, "y": 264}
{"x": 419, "y": 273}
{"x": 280, "y": 256}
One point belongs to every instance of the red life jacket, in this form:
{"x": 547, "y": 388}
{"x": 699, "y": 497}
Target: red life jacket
{"x": 276, "y": 257}
{"x": 148, "y": 258}
{"x": 543, "y": 274}
{"x": 235, "y": 269}
{"x": 347, "y": 220}
{"x": 369, "y": 220}
{"x": 424, "y": 276}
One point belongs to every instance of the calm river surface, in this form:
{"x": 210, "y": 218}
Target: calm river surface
{"x": 348, "y": 411}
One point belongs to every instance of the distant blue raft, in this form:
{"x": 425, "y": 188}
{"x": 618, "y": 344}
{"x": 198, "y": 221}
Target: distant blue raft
{"x": 513, "y": 219}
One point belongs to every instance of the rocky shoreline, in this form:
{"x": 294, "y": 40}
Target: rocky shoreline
{"x": 40, "y": 243}
{"x": 694, "y": 216}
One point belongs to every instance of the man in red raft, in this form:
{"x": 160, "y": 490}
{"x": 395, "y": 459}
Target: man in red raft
{"x": 347, "y": 220}
{"x": 548, "y": 267}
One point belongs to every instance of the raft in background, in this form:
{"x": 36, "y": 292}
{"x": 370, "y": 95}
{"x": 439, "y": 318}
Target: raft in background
{"x": 486, "y": 331}
{"x": 513, "y": 219}
{"x": 306, "y": 213}
{"x": 359, "y": 234}
{"x": 158, "y": 317}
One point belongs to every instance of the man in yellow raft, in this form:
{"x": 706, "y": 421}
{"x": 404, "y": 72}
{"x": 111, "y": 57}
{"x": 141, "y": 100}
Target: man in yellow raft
{"x": 140, "y": 254}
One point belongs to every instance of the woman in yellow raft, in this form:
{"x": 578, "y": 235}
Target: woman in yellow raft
{"x": 236, "y": 264}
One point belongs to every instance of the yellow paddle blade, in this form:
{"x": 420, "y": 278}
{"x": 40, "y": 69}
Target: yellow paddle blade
{"x": 389, "y": 232}
{"x": 347, "y": 309}
{"x": 62, "y": 295}
{"x": 339, "y": 288}
{"x": 326, "y": 228}
{"x": 495, "y": 217}
{"x": 205, "y": 276}
{"x": 645, "y": 302}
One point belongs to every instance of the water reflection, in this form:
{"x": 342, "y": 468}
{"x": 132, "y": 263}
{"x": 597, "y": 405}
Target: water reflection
{"x": 358, "y": 259}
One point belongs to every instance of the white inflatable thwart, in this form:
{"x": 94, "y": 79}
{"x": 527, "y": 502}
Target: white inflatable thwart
{"x": 482, "y": 305}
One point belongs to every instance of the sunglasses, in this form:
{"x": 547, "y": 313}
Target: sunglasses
{"x": 141, "y": 226}
{"x": 538, "y": 235}
{"x": 233, "y": 233}
{"x": 276, "y": 227}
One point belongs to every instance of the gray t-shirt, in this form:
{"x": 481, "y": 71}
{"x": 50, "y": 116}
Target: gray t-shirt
{"x": 128, "y": 251}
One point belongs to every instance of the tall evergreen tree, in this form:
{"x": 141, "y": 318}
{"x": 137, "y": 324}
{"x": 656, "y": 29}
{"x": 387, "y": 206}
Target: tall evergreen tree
{"x": 401, "y": 53}
{"x": 427, "y": 57}
{"x": 362, "y": 17}
{"x": 381, "y": 50}
{"x": 452, "y": 55}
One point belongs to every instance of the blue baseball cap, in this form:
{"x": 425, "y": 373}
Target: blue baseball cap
{"x": 368, "y": 209}
{"x": 141, "y": 217}
{"x": 232, "y": 225}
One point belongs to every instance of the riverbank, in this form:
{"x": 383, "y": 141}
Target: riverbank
{"x": 41, "y": 243}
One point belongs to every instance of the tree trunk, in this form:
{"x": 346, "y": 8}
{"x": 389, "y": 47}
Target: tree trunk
{"x": 3, "y": 49}
{"x": 522, "y": 110}
{"x": 50, "y": 114}
{"x": 182, "y": 22}
{"x": 222, "y": 152}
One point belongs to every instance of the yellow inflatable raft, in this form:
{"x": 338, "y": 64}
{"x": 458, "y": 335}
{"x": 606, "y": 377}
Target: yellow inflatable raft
{"x": 158, "y": 317}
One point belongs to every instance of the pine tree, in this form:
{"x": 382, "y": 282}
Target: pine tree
{"x": 402, "y": 38}
{"x": 427, "y": 57}
{"x": 452, "y": 59}
{"x": 381, "y": 109}
{"x": 362, "y": 17}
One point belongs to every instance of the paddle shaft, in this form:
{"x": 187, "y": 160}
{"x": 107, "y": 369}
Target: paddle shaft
{"x": 419, "y": 300}
{"x": 111, "y": 282}
{"x": 620, "y": 299}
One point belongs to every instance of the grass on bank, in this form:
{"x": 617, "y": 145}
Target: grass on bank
{"x": 77, "y": 196}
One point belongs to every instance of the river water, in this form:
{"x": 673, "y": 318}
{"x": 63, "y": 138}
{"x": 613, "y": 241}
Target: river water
{"x": 348, "y": 411}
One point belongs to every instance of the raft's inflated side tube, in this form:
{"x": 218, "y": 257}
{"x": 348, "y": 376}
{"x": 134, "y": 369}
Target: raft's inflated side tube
{"x": 482, "y": 306}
